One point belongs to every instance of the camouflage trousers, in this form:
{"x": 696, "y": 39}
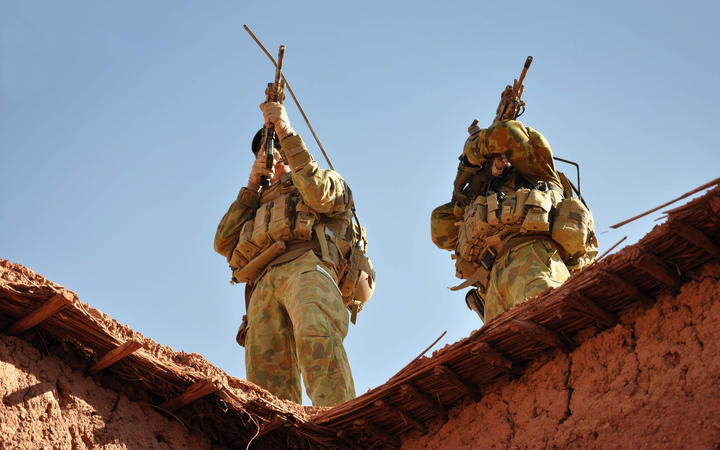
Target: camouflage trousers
{"x": 297, "y": 323}
{"x": 523, "y": 272}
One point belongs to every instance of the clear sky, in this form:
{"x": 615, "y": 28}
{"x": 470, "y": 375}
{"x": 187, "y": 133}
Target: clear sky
{"x": 125, "y": 130}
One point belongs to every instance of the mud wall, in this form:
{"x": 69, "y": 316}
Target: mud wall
{"x": 652, "y": 381}
{"x": 46, "y": 404}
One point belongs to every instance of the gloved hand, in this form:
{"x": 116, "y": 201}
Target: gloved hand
{"x": 275, "y": 114}
{"x": 259, "y": 170}
{"x": 464, "y": 175}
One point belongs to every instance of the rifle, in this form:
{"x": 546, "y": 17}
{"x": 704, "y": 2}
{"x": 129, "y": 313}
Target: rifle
{"x": 292, "y": 94}
{"x": 511, "y": 107}
{"x": 275, "y": 92}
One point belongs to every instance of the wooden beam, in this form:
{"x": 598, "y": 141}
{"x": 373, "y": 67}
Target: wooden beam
{"x": 715, "y": 204}
{"x": 495, "y": 358}
{"x": 404, "y": 417}
{"x": 653, "y": 266}
{"x": 273, "y": 425}
{"x": 411, "y": 391}
{"x": 115, "y": 355}
{"x": 618, "y": 283}
{"x": 541, "y": 334}
{"x": 445, "y": 373}
{"x": 194, "y": 392}
{"x": 44, "y": 311}
{"x": 347, "y": 438}
{"x": 695, "y": 237}
{"x": 377, "y": 433}
{"x": 584, "y": 305}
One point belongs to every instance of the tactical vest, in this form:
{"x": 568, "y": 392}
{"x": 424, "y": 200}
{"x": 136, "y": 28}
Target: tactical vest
{"x": 500, "y": 219}
{"x": 284, "y": 227}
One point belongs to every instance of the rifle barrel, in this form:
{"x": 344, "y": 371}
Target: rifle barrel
{"x": 528, "y": 61}
{"x": 278, "y": 69}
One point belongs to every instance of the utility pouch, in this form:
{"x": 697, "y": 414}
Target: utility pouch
{"x": 521, "y": 196}
{"x": 260, "y": 236}
{"x": 463, "y": 246}
{"x": 492, "y": 209}
{"x": 255, "y": 267}
{"x": 538, "y": 206}
{"x": 357, "y": 262}
{"x": 464, "y": 268}
{"x": 304, "y": 222}
{"x": 360, "y": 237}
{"x": 246, "y": 248}
{"x": 281, "y": 219}
{"x": 571, "y": 226}
{"x": 242, "y": 331}
{"x": 507, "y": 209}
{"x": 238, "y": 259}
{"x": 480, "y": 217}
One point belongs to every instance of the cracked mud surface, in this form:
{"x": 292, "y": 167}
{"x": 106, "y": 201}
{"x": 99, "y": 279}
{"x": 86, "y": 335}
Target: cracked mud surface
{"x": 652, "y": 381}
{"x": 46, "y": 404}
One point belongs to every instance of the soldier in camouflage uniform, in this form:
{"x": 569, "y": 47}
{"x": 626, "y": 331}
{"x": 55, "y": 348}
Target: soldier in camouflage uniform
{"x": 522, "y": 263}
{"x": 296, "y": 319}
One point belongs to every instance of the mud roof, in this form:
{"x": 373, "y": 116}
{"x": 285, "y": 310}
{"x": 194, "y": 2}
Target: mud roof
{"x": 234, "y": 412}
{"x": 422, "y": 392}
{"x": 231, "y": 411}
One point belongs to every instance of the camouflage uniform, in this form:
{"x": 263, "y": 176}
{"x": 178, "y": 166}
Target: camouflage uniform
{"x": 527, "y": 269}
{"x": 296, "y": 317}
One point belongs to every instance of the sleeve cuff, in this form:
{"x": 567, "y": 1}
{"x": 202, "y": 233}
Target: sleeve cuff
{"x": 295, "y": 152}
{"x": 248, "y": 198}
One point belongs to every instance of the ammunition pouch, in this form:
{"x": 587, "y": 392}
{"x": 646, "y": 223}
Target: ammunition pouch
{"x": 284, "y": 228}
{"x": 242, "y": 332}
{"x": 494, "y": 224}
{"x": 537, "y": 211}
{"x": 571, "y": 226}
{"x": 357, "y": 279}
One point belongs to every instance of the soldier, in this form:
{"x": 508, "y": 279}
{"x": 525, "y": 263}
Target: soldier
{"x": 513, "y": 223}
{"x": 292, "y": 243}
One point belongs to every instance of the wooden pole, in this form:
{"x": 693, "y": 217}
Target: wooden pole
{"x": 404, "y": 417}
{"x": 115, "y": 355}
{"x": 40, "y": 314}
{"x": 654, "y": 266}
{"x": 619, "y": 284}
{"x": 494, "y": 357}
{"x": 688, "y": 194}
{"x": 695, "y": 237}
{"x": 194, "y": 392}
{"x": 585, "y": 305}
{"x": 434, "y": 405}
{"x": 540, "y": 334}
{"x": 443, "y": 372}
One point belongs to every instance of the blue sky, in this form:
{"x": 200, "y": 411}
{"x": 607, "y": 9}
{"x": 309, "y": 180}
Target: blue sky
{"x": 125, "y": 131}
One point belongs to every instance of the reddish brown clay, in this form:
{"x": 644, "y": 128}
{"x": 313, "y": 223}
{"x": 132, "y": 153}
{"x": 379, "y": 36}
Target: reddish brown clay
{"x": 651, "y": 381}
{"x": 46, "y": 404}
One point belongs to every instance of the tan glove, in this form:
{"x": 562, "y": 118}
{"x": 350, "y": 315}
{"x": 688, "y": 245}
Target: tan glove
{"x": 259, "y": 170}
{"x": 275, "y": 114}
{"x": 464, "y": 175}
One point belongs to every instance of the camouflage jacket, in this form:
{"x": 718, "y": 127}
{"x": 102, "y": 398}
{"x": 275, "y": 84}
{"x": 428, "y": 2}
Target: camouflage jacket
{"x": 531, "y": 158}
{"x": 323, "y": 191}
{"x": 525, "y": 148}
